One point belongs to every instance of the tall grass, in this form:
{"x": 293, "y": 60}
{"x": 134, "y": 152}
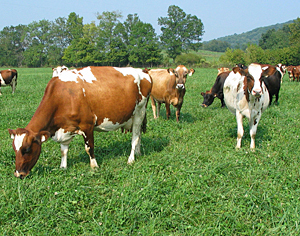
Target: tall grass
{"x": 190, "y": 180}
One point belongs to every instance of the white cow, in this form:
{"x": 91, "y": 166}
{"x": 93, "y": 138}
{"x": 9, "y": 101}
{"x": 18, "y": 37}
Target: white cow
{"x": 58, "y": 70}
{"x": 246, "y": 95}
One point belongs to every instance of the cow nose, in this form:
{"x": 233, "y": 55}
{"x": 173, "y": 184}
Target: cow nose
{"x": 180, "y": 86}
{"x": 203, "y": 105}
{"x": 19, "y": 175}
{"x": 256, "y": 93}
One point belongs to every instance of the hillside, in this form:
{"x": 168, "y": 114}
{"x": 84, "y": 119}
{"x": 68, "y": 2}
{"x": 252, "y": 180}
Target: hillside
{"x": 253, "y": 36}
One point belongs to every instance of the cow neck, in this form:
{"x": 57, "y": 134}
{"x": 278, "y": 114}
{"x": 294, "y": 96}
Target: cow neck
{"x": 43, "y": 117}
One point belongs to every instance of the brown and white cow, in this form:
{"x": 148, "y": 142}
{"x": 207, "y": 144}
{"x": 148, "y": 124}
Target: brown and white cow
{"x": 169, "y": 88}
{"x": 80, "y": 101}
{"x": 296, "y": 73}
{"x": 215, "y": 91}
{"x": 246, "y": 95}
{"x": 222, "y": 69}
{"x": 58, "y": 70}
{"x": 8, "y": 78}
{"x": 290, "y": 72}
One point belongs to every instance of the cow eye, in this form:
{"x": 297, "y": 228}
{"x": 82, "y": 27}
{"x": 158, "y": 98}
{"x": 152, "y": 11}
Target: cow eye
{"x": 26, "y": 150}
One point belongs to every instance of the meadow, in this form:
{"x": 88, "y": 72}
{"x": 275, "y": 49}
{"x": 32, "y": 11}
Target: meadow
{"x": 189, "y": 180}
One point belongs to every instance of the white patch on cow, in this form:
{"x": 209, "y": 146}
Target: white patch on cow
{"x": 108, "y": 125}
{"x": 85, "y": 75}
{"x": 19, "y": 141}
{"x": 255, "y": 70}
{"x": 83, "y": 90}
{"x": 80, "y": 132}
{"x": 61, "y": 136}
{"x": 2, "y": 81}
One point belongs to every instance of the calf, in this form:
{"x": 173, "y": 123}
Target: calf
{"x": 77, "y": 102}
{"x": 246, "y": 95}
{"x": 169, "y": 88}
{"x": 8, "y": 78}
{"x": 215, "y": 91}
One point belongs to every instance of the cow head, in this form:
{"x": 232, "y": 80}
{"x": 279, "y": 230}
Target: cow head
{"x": 181, "y": 73}
{"x": 58, "y": 70}
{"x": 27, "y": 146}
{"x": 208, "y": 97}
{"x": 255, "y": 75}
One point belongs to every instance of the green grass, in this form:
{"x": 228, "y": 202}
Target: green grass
{"x": 190, "y": 180}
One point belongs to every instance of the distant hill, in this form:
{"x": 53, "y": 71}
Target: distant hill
{"x": 253, "y": 36}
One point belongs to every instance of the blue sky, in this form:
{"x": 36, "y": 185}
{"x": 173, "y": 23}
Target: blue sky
{"x": 220, "y": 18}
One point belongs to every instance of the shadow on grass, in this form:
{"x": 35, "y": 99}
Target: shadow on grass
{"x": 112, "y": 150}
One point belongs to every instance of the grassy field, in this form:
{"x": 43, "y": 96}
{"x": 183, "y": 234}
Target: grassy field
{"x": 190, "y": 180}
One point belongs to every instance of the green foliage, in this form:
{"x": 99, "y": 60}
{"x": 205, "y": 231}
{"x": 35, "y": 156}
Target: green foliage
{"x": 188, "y": 59}
{"x": 273, "y": 39}
{"x": 240, "y": 41}
{"x": 216, "y": 46}
{"x": 180, "y": 32}
{"x": 190, "y": 180}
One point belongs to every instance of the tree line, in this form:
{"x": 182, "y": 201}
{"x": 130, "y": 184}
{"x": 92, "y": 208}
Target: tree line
{"x": 275, "y": 46}
{"x": 108, "y": 42}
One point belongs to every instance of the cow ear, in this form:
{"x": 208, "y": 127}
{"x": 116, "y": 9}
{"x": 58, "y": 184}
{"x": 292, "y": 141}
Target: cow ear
{"x": 170, "y": 71}
{"x": 44, "y": 135}
{"x": 191, "y": 72}
{"x": 202, "y": 93}
{"x": 12, "y": 133}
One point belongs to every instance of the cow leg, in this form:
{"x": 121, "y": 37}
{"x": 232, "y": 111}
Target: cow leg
{"x": 89, "y": 147}
{"x": 178, "y": 112}
{"x": 168, "y": 112}
{"x": 153, "y": 105}
{"x": 240, "y": 129}
{"x": 64, "y": 148}
{"x": 0, "y": 91}
{"x": 253, "y": 123}
{"x": 158, "y": 108}
{"x": 13, "y": 85}
{"x": 137, "y": 121}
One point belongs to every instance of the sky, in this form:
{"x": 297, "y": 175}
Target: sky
{"x": 219, "y": 17}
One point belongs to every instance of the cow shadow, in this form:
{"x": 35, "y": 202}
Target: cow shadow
{"x": 262, "y": 134}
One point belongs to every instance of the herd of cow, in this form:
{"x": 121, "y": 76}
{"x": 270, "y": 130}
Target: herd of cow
{"x": 80, "y": 101}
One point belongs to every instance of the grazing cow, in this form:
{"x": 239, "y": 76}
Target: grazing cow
{"x": 222, "y": 69}
{"x": 58, "y": 70}
{"x": 8, "y": 78}
{"x": 169, "y": 88}
{"x": 246, "y": 95}
{"x": 272, "y": 78}
{"x": 290, "y": 72}
{"x": 296, "y": 73}
{"x": 80, "y": 101}
{"x": 216, "y": 91}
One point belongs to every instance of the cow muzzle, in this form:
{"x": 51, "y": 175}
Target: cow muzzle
{"x": 256, "y": 93}
{"x": 204, "y": 105}
{"x": 180, "y": 86}
{"x": 20, "y": 174}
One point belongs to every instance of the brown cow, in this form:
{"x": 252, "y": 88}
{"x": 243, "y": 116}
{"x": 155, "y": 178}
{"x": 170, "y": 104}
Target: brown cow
{"x": 296, "y": 73}
{"x": 290, "y": 72}
{"x": 169, "y": 88}
{"x": 8, "y": 78}
{"x": 80, "y": 101}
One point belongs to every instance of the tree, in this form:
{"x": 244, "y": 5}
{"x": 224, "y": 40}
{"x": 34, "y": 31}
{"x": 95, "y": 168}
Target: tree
{"x": 180, "y": 32}
{"x": 38, "y": 40}
{"x": 143, "y": 46}
{"x": 12, "y": 46}
{"x": 216, "y": 46}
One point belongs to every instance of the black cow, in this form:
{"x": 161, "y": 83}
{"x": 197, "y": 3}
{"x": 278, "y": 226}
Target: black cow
{"x": 272, "y": 79}
{"x": 216, "y": 91}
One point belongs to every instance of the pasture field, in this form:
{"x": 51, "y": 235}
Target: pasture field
{"x": 189, "y": 180}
